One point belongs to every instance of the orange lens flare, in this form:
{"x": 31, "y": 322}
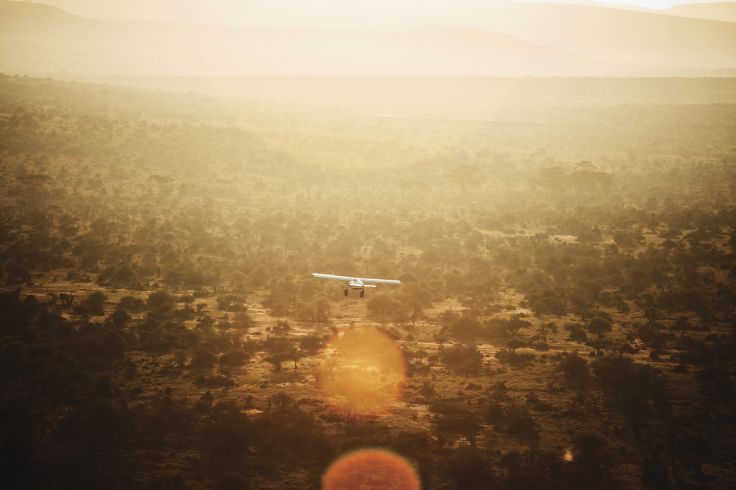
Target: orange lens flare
{"x": 362, "y": 372}
{"x": 369, "y": 469}
{"x": 568, "y": 456}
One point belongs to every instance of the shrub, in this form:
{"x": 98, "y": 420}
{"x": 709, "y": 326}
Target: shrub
{"x": 161, "y": 302}
{"x": 632, "y": 388}
{"x": 463, "y": 359}
{"x": 468, "y": 469}
{"x": 575, "y": 369}
{"x": 203, "y": 358}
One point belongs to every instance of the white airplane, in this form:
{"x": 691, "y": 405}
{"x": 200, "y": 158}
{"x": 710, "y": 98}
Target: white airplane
{"x": 359, "y": 283}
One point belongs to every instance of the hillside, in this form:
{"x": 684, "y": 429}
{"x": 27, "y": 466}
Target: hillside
{"x": 656, "y": 43}
{"x": 724, "y": 12}
{"x": 523, "y": 40}
{"x": 42, "y": 39}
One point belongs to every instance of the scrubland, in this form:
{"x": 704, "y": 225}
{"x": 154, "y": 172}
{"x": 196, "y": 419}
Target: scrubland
{"x": 566, "y": 313}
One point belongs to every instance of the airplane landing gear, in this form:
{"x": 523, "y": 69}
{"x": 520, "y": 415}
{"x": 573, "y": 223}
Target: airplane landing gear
{"x": 345, "y": 292}
{"x": 362, "y": 293}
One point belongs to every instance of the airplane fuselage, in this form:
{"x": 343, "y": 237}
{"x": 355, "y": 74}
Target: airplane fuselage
{"x": 356, "y": 283}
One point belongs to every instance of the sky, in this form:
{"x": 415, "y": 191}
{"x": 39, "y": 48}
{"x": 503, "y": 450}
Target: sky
{"x": 317, "y": 13}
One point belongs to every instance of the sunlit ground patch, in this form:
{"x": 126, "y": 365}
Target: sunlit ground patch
{"x": 369, "y": 469}
{"x": 362, "y": 371}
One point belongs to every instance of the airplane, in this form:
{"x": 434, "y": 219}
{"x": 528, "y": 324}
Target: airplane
{"x": 359, "y": 283}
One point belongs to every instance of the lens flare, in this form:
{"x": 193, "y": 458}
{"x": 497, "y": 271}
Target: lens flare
{"x": 362, "y": 372}
{"x": 369, "y": 469}
{"x": 568, "y": 456}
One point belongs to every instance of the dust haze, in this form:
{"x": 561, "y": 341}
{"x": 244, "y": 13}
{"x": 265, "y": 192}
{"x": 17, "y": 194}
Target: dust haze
{"x": 553, "y": 184}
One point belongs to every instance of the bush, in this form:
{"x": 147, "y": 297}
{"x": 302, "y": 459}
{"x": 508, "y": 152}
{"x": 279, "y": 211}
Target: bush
{"x": 575, "y": 369}
{"x": 161, "y": 302}
{"x": 94, "y": 304}
{"x": 632, "y": 388}
{"x": 577, "y": 334}
{"x": 382, "y": 308}
{"x": 14, "y": 362}
{"x": 467, "y": 327}
{"x": 131, "y": 304}
{"x": 468, "y": 469}
{"x": 234, "y": 358}
{"x": 203, "y": 358}
{"x": 599, "y": 326}
{"x": 456, "y": 418}
{"x": 231, "y": 303}
{"x": 463, "y": 359}
{"x": 226, "y": 437}
{"x": 512, "y": 419}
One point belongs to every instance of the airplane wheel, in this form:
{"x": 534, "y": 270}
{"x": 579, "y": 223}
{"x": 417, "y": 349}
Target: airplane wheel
{"x": 346, "y": 292}
{"x": 362, "y": 293}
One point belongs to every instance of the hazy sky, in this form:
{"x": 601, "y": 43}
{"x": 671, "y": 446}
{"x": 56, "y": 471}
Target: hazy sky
{"x": 347, "y": 13}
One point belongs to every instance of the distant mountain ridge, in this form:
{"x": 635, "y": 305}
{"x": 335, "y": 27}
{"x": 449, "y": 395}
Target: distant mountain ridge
{"x": 611, "y": 35}
{"x": 724, "y": 12}
{"x": 526, "y": 40}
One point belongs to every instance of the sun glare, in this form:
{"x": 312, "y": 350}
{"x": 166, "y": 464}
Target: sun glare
{"x": 568, "y": 456}
{"x": 362, "y": 371}
{"x": 369, "y": 469}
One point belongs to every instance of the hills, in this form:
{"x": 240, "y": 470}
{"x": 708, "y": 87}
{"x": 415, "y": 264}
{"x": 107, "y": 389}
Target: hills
{"x": 724, "y": 12}
{"x": 504, "y": 40}
{"x": 43, "y": 39}
{"x": 653, "y": 42}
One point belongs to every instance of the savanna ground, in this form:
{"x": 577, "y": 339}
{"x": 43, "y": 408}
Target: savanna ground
{"x": 566, "y": 315}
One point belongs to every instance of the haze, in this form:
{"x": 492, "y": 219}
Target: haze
{"x": 510, "y": 39}
{"x": 549, "y": 187}
{"x": 378, "y": 14}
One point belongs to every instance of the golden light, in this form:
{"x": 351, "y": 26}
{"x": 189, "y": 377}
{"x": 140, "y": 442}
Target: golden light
{"x": 362, "y": 371}
{"x": 369, "y": 469}
{"x": 568, "y": 456}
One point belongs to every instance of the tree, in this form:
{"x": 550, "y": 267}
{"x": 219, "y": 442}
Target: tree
{"x": 515, "y": 343}
{"x": 575, "y": 369}
{"x": 467, "y": 467}
{"x": 228, "y": 434}
{"x": 549, "y": 305}
{"x": 161, "y": 302}
{"x": 682, "y": 325}
{"x": 281, "y": 328}
{"x": 467, "y": 327}
{"x": 577, "y": 333}
{"x": 654, "y": 474}
{"x": 514, "y": 324}
{"x": 519, "y": 422}
{"x": 383, "y": 307}
{"x": 120, "y": 317}
{"x": 131, "y": 304}
{"x": 634, "y": 389}
{"x": 94, "y": 304}
{"x": 591, "y": 458}
{"x": 416, "y": 309}
{"x": 203, "y": 358}
{"x": 310, "y": 344}
{"x": 231, "y": 302}
{"x": 242, "y": 320}
{"x": 448, "y": 317}
{"x": 234, "y": 358}
{"x": 599, "y": 326}
{"x": 463, "y": 359}
{"x": 316, "y": 310}
{"x": 278, "y": 350}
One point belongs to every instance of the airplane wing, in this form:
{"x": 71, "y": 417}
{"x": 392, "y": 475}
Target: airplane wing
{"x": 380, "y": 281}
{"x": 331, "y": 276}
